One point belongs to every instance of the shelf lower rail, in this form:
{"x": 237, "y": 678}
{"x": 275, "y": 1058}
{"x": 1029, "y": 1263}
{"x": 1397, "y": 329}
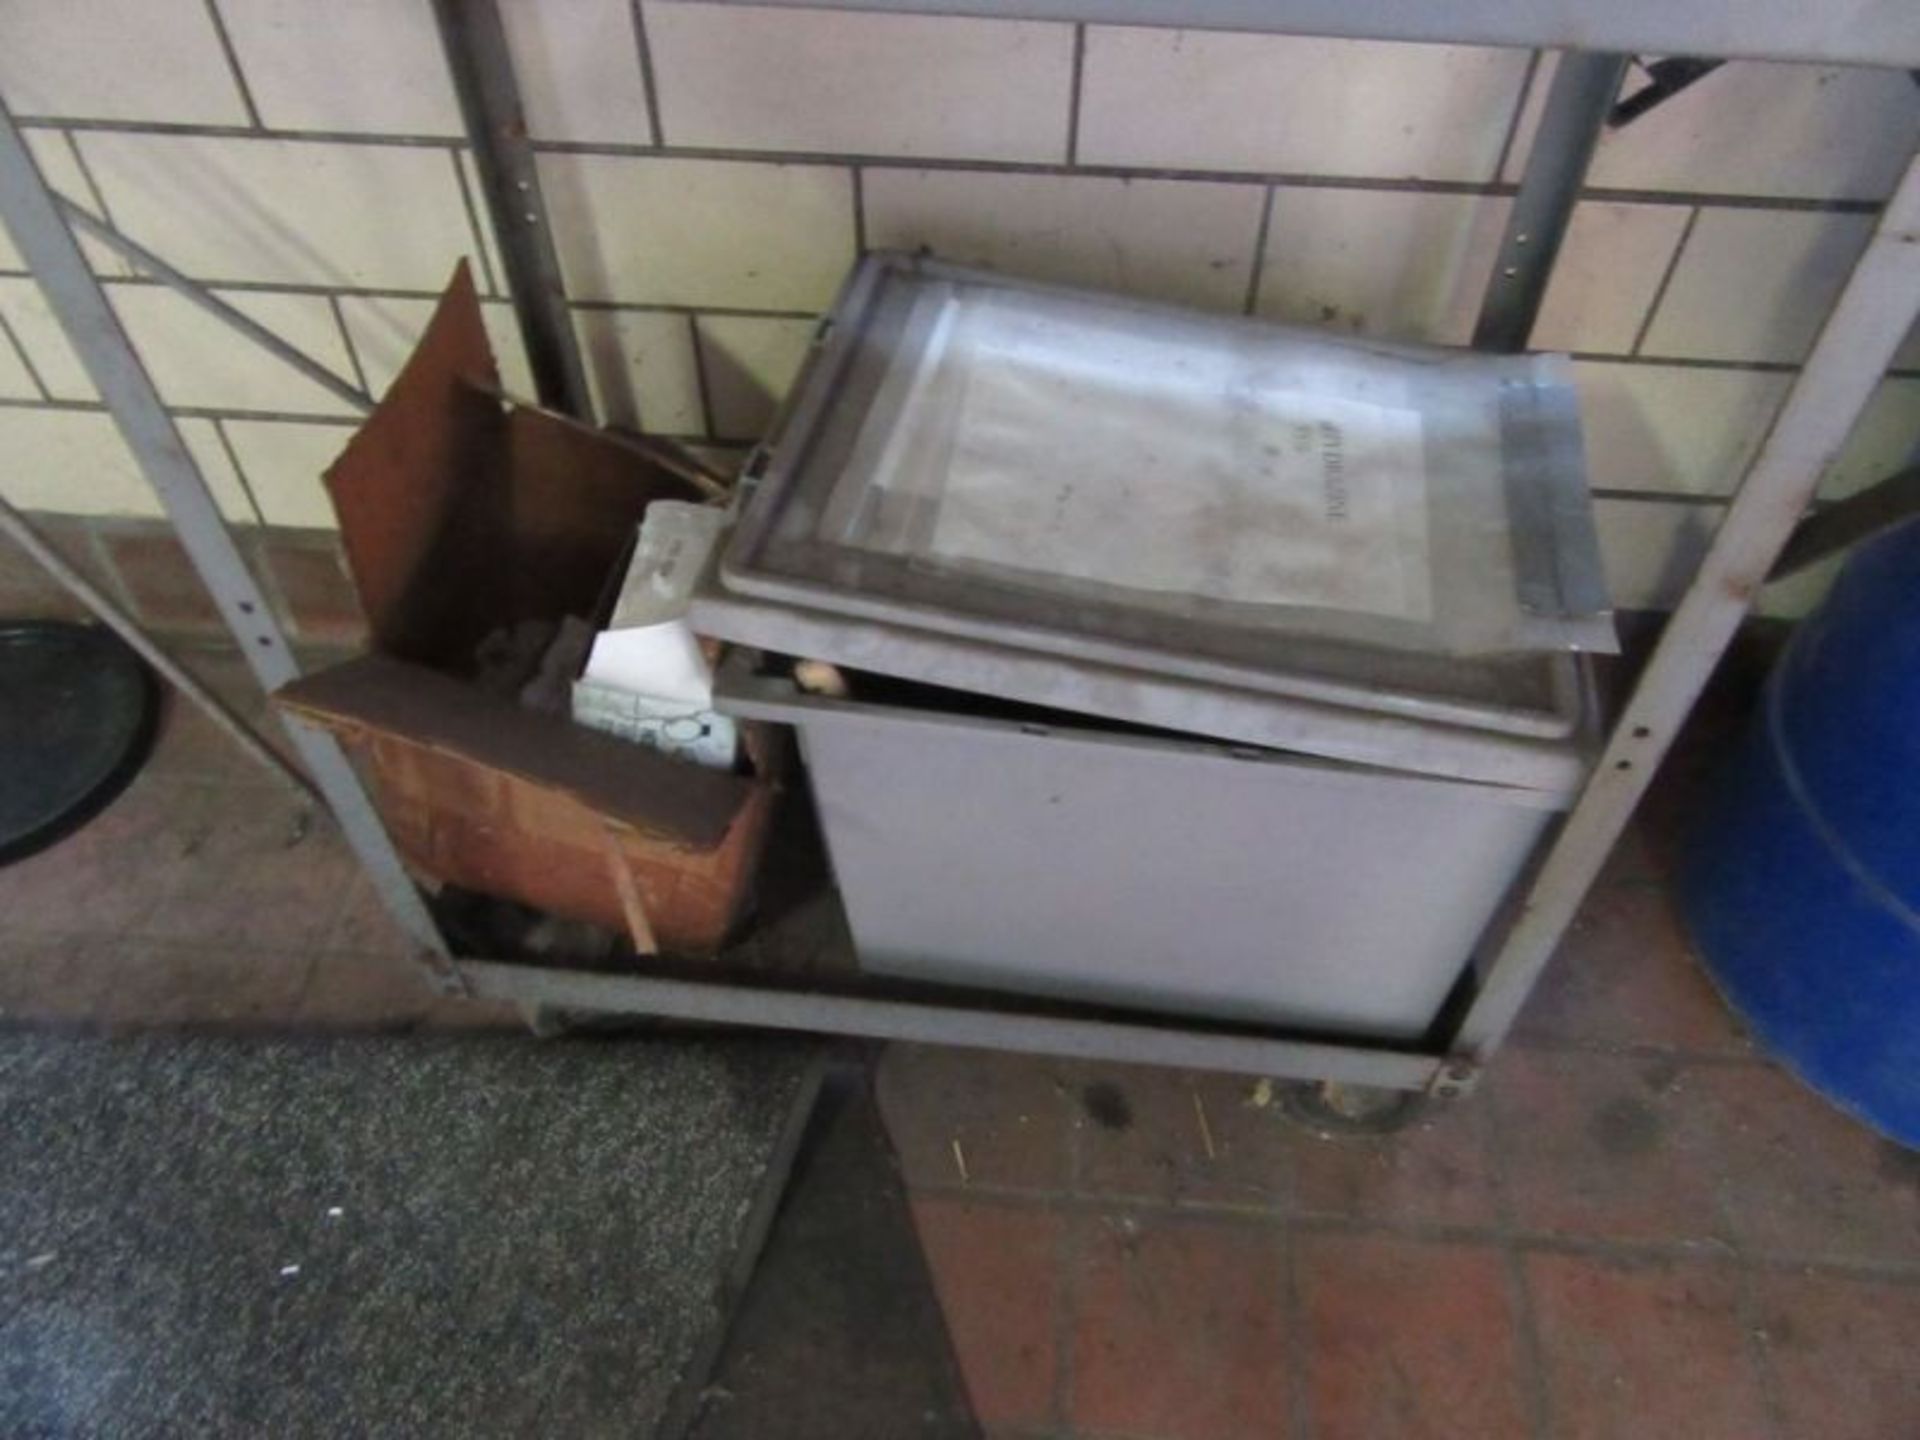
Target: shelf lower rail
{"x": 1151, "y": 1040}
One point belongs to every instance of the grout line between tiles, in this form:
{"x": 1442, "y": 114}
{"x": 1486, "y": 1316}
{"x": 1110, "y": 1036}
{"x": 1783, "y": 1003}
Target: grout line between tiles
{"x": 190, "y": 412}
{"x": 267, "y": 575}
{"x": 1666, "y": 279}
{"x": 646, "y": 307}
{"x": 1619, "y": 194}
{"x": 1689, "y": 362}
{"x": 192, "y": 131}
{"x": 1557, "y": 1045}
{"x": 1074, "y": 84}
{"x": 1662, "y": 497}
{"x": 1293, "y": 1316}
{"x": 1069, "y": 1259}
{"x": 1708, "y": 200}
{"x": 239, "y": 470}
{"x": 390, "y": 292}
{"x": 269, "y": 287}
{"x": 1904, "y": 1273}
{"x": 233, "y": 64}
{"x": 1535, "y": 1390}
{"x": 1258, "y": 269}
{"x": 700, "y": 374}
{"x": 643, "y": 51}
{"x": 1703, "y": 1250}
{"x": 1759, "y": 1352}
{"x": 346, "y": 340}
{"x": 490, "y": 283}
{"x": 859, "y": 186}
{"x": 1519, "y": 113}
{"x": 8, "y": 335}
{"x": 1301, "y": 179}
{"x": 103, "y": 565}
{"x": 97, "y": 193}
{"x": 1072, "y": 1255}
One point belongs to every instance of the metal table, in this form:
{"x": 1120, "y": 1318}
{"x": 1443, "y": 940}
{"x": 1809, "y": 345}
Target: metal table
{"x": 1857, "y": 342}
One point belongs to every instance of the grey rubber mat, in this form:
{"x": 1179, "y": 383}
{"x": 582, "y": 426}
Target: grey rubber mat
{"x": 361, "y": 1237}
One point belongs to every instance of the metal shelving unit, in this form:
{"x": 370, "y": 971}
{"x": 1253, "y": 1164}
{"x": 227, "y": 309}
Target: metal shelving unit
{"x": 1855, "y": 346}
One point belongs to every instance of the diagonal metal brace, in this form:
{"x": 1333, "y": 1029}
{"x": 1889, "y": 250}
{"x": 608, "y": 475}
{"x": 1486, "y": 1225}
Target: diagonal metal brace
{"x": 76, "y": 296}
{"x": 245, "y": 324}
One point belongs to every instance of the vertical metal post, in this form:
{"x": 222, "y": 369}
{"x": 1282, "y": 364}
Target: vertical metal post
{"x": 1577, "y": 104}
{"x": 482, "y": 68}
{"x": 1856, "y": 345}
{"x": 75, "y": 294}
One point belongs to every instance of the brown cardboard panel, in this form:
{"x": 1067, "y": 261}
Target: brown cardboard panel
{"x": 419, "y": 493}
{"x": 511, "y": 837}
{"x": 461, "y": 824}
{"x": 576, "y": 499}
{"x": 621, "y": 781}
{"x": 463, "y": 514}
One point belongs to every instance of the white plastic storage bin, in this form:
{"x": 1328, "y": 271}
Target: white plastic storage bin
{"x": 1181, "y": 536}
{"x": 1164, "y": 873}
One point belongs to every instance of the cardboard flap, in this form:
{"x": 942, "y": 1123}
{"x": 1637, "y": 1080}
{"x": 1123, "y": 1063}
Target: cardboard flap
{"x": 576, "y": 497}
{"x": 418, "y": 492}
{"x": 628, "y": 783}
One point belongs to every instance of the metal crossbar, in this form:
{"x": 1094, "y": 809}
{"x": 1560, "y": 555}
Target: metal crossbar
{"x": 1867, "y": 323}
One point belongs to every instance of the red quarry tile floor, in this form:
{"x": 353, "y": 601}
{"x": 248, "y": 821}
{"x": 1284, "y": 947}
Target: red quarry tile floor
{"x": 1646, "y": 1346}
{"x": 209, "y": 893}
{"x": 1442, "y": 1360}
{"x": 1000, "y": 1273}
{"x": 1180, "y": 1326}
{"x": 1634, "y": 1227}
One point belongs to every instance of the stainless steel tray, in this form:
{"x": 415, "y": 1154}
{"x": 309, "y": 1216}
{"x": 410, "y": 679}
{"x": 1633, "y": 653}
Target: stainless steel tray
{"x": 871, "y": 356}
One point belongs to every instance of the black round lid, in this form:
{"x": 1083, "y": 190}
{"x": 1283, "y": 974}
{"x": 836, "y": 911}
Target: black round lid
{"x": 77, "y": 713}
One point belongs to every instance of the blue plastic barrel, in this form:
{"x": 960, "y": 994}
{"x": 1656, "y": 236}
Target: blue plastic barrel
{"x": 1801, "y": 882}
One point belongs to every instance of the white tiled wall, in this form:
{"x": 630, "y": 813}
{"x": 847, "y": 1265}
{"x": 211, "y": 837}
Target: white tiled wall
{"x": 642, "y": 369}
{"x": 287, "y": 211}
{"x": 42, "y": 343}
{"x": 195, "y": 364}
{"x": 746, "y": 364}
{"x": 712, "y": 171}
{"x": 747, "y": 78}
{"x": 59, "y": 165}
{"x": 1185, "y": 240}
{"x": 1608, "y": 275}
{"x": 1790, "y": 131}
{"x": 578, "y": 66}
{"x": 141, "y": 60}
{"x": 283, "y": 461}
{"x": 1886, "y": 439}
{"x": 383, "y": 330}
{"x": 374, "y": 66}
{"x": 1401, "y": 264}
{"x": 16, "y": 381}
{"x": 1651, "y": 548}
{"x": 1195, "y": 99}
{"x": 1669, "y": 429}
{"x": 74, "y": 462}
{"x": 700, "y": 232}
{"x": 1755, "y": 285}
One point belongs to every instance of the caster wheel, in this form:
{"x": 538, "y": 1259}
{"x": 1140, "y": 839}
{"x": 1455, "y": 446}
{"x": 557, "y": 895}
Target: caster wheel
{"x": 1333, "y": 1109}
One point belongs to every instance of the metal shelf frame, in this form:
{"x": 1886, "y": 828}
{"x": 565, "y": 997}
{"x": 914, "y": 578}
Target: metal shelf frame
{"x": 1855, "y": 346}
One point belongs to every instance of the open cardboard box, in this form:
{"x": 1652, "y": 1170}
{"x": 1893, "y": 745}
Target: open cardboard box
{"x": 462, "y": 513}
